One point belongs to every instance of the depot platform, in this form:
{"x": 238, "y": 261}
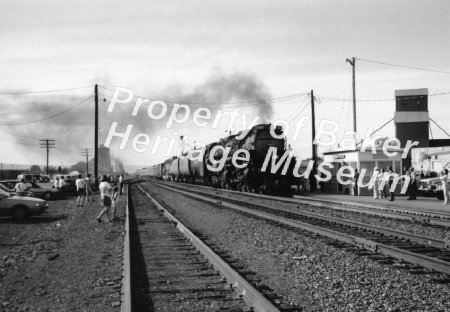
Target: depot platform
{"x": 430, "y": 204}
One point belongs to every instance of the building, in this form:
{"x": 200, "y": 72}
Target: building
{"x": 365, "y": 162}
{"x": 104, "y": 160}
{"x": 412, "y": 120}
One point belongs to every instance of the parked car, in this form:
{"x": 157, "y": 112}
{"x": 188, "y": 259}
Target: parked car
{"x": 431, "y": 187}
{"x": 4, "y": 186}
{"x": 45, "y": 178}
{"x": 21, "y": 207}
{"x": 30, "y": 177}
{"x": 46, "y": 193}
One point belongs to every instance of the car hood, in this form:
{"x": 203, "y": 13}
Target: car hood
{"x": 26, "y": 198}
{"x": 42, "y": 189}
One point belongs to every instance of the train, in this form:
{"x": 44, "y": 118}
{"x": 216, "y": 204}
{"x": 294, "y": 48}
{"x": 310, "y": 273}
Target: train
{"x": 203, "y": 168}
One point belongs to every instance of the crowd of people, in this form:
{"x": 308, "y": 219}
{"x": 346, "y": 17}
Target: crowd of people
{"x": 381, "y": 182}
{"x": 85, "y": 187}
{"x": 109, "y": 195}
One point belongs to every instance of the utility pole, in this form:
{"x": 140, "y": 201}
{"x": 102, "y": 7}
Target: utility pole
{"x": 313, "y": 124}
{"x": 48, "y": 144}
{"x": 86, "y": 152}
{"x": 353, "y": 63}
{"x": 312, "y": 178}
{"x": 96, "y": 137}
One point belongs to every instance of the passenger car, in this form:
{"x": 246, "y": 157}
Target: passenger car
{"x": 46, "y": 193}
{"x": 431, "y": 187}
{"x": 21, "y": 207}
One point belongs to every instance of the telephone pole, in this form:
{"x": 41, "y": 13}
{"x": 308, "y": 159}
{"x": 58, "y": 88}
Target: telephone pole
{"x": 48, "y": 144}
{"x": 353, "y": 63}
{"x": 86, "y": 152}
{"x": 312, "y": 178}
{"x": 96, "y": 137}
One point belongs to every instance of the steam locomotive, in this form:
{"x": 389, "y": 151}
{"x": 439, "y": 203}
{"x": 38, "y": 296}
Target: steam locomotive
{"x": 246, "y": 176}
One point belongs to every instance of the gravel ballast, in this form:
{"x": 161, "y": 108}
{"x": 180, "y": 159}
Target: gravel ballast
{"x": 309, "y": 271}
{"x": 417, "y": 228}
{"x": 64, "y": 261}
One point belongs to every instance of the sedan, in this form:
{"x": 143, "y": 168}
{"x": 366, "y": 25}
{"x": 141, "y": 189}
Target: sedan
{"x": 46, "y": 193}
{"x": 21, "y": 207}
{"x": 6, "y": 187}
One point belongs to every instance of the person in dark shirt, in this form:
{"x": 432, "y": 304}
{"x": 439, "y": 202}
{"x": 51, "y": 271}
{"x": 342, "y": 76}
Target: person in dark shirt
{"x": 355, "y": 185}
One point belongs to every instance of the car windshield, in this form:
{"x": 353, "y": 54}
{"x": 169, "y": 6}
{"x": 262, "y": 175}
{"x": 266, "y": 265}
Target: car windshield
{"x": 3, "y": 193}
{"x": 10, "y": 184}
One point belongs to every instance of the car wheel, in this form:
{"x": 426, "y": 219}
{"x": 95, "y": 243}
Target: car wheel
{"x": 20, "y": 213}
{"x": 47, "y": 195}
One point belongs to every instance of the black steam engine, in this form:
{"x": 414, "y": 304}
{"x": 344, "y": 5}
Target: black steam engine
{"x": 246, "y": 176}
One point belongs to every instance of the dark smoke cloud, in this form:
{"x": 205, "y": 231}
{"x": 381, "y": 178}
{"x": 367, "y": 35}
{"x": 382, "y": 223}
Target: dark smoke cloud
{"x": 74, "y": 129}
{"x": 227, "y": 88}
{"x": 244, "y": 90}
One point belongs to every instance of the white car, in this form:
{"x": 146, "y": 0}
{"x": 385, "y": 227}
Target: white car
{"x": 431, "y": 187}
{"x": 21, "y": 207}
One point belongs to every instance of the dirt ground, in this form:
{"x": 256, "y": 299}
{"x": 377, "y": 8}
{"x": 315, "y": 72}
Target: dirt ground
{"x": 62, "y": 261}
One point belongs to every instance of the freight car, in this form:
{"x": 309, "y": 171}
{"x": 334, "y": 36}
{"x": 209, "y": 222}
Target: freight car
{"x": 250, "y": 177}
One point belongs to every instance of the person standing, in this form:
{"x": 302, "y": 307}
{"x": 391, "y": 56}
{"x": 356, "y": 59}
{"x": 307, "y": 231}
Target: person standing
{"x": 89, "y": 188}
{"x": 120, "y": 184}
{"x": 390, "y": 180}
{"x": 20, "y": 188}
{"x": 56, "y": 184}
{"x": 80, "y": 183}
{"x": 382, "y": 184}
{"x": 62, "y": 185}
{"x": 375, "y": 178}
{"x": 355, "y": 185}
{"x": 104, "y": 188}
{"x": 115, "y": 199}
{"x": 413, "y": 186}
{"x": 445, "y": 186}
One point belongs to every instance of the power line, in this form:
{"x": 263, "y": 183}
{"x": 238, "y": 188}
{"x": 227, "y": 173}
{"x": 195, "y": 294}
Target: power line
{"x": 299, "y": 112}
{"x": 382, "y": 100}
{"x": 46, "y": 118}
{"x": 405, "y": 66}
{"x": 440, "y": 127}
{"x": 375, "y": 131}
{"x": 46, "y": 91}
{"x": 256, "y": 102}
{"x": 212, "y": 108}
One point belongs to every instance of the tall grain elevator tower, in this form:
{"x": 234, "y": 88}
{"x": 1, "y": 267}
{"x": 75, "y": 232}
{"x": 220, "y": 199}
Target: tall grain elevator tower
{"x": 412, "y": 120}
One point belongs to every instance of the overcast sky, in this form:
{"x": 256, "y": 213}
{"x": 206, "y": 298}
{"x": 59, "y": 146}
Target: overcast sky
{"x": 211, "y": 51}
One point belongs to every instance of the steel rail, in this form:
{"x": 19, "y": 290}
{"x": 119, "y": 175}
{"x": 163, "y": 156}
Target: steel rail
{"x": 125, "y": 302}
{"x": 250, "y": 295}
{"x": 391, "y": 212}
{"x": 424, "y": 240}
{"x": 394, "y": 252}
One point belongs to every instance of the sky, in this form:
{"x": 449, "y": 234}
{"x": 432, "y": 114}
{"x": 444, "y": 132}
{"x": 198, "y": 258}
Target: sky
{"x": 219, "y": 55}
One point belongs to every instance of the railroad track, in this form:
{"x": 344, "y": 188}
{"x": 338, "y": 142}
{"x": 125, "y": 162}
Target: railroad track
{"x": 415, "y": 215}
{"x": 173, "y": 270}
{"x": 426, "y": 252}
